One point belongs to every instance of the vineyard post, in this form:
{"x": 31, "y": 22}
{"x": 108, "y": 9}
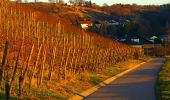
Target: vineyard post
{"x": 4, "y": 60}
{"x": 16, "y": 63}
{"x": 23, "y": 75}
{"x": 51, "y": 67}
{"x": 43, "y": 64}
{"x": 34, "y": 68}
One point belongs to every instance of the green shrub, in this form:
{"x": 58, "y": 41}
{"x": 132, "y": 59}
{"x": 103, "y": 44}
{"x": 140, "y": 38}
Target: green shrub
{"x": 94, "y": 80}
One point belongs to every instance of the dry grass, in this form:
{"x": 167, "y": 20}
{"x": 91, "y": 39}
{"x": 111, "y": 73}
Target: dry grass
{"x": 87, "y": 79}
{"x": 66, "y": 89}
{"x": 68, "y": 13}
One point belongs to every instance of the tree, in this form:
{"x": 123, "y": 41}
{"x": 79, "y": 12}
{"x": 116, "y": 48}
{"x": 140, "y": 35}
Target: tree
{"x": 61, "y": 2}
{"x": 56, "y": 1}
{"x": 71, "y": 2}
{"x": 81, "y": 2}
{"x": 77, "y": 2}
{"x": 105, "y": 5}
{"x": 121, "y": 31}
{"x": 157, "y": 41}
{"x": 90, "y": 3}
{"x": 26, "y": 1}
{"x": 155, "y": 25}
{"x": 51, "y": 1}
{"x": 18, "y": 1}
{"x": 132, "y": 28}
{"x": 167, "y": 30}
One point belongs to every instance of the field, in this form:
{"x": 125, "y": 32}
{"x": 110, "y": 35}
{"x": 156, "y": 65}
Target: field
{"x": 163, "y": 82}
{"x": 40, "y": 54}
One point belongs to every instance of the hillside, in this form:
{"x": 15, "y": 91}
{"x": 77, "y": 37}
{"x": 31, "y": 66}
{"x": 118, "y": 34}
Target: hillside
{"x": 67, "y": 13}
{"x": 150, "y": 19}
{"x": 142, "y": 20}
{"x": 44, "y": 57}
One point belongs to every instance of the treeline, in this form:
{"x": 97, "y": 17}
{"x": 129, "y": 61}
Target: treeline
{"x": 34, "y": 50}
{"x": 128, "y": 10}
{"x": 143, "y": 20}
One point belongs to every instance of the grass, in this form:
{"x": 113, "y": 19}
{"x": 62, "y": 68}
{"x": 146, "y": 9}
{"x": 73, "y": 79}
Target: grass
{"x": 64, "y": 90}
{"x": 94, "y": 80}
{"x": 2, "y": 97}
{"x": 44, "y": 96}
{"x": 163, "y": 82}
{"x": 88, "y": 79}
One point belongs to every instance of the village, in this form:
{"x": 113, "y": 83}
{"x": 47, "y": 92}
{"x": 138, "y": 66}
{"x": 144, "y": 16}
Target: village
{"x": 152, "y": 45}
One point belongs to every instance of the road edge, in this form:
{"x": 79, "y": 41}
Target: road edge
{"x": 104, "y": 83}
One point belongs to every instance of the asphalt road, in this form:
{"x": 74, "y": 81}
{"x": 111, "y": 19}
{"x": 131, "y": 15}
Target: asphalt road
{"x": 136, "y": 85}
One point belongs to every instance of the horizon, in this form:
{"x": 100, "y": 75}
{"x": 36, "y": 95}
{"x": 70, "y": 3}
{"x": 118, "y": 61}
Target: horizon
{"x": 110, "y": 2}
{"x": 138, "y": 2}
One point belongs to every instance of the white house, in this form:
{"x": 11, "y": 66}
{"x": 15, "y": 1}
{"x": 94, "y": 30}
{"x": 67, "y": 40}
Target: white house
{"x": 113, "y": 22}
{"x": 153, "y": 38}
{"x": 86, "y": 24}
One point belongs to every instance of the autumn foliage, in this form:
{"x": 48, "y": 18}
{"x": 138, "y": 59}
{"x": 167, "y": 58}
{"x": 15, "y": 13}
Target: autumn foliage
{"x": 36, "y": 49}
{"x": 128, "y": 10}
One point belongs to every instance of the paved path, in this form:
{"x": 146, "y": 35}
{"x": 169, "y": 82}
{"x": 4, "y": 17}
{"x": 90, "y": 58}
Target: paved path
{"x": 136, "y": 85}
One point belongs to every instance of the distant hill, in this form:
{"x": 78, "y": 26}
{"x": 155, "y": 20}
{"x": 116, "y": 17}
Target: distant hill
{"x": 127, "y": 10}
{"x": 66, "y": 12}
{"x": 150, "y": 20}
{"x": 143, "y": 20}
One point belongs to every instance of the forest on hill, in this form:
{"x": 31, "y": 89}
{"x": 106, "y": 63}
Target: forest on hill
{"x": 145, "y": 20}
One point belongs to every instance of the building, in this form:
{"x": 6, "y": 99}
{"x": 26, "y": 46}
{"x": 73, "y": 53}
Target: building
{"x": 97, "y": 24}
{"x": 113, "y": 22}
{"x": 86, "y": 24}
{"x": 150, "y": 48}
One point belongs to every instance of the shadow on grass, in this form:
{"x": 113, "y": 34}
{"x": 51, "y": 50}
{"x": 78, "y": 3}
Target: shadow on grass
{"x": 2, "y": 97}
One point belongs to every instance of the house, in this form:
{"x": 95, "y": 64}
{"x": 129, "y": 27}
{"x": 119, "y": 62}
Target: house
{"x": 135, "y": 40}
{"x": 152, "y": 48}
{"x": 153, "y": 38}
{"x": 113, "y": 22}
{"x": 149, "y": 47}
{"x": 123, "y": 21}
{"x": 86, "y": 24}
{"x": 164, "y": 38}
{"x": 97, "y": 24}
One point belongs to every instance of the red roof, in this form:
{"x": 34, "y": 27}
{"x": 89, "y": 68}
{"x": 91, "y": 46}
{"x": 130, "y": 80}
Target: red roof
{"x": 86, "y": 22}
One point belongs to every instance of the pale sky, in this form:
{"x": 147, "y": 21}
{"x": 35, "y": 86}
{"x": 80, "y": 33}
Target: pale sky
{"x": 140, "y": 2}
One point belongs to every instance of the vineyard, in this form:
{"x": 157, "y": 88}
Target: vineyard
{"x": 34, "y": 50}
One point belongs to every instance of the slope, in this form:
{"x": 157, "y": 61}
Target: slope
{"x": 41, "y": 53}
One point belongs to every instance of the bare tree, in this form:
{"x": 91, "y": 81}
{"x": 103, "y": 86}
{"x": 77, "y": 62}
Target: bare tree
{"x": 105, "y": 4}
{"x": 51, "y": 1}
{"x": 81, "y": 2}
{"x": 56, "y": 1}
{"x": 18, "y": 1}
{"x": 71, "y": 2}
{"x": 26, "y": 1}
{"x": 61, "y": 2}
{"x": 77, "y": 2}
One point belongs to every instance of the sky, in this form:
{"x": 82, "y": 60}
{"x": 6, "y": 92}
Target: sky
{"x": 140, "y": 2}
